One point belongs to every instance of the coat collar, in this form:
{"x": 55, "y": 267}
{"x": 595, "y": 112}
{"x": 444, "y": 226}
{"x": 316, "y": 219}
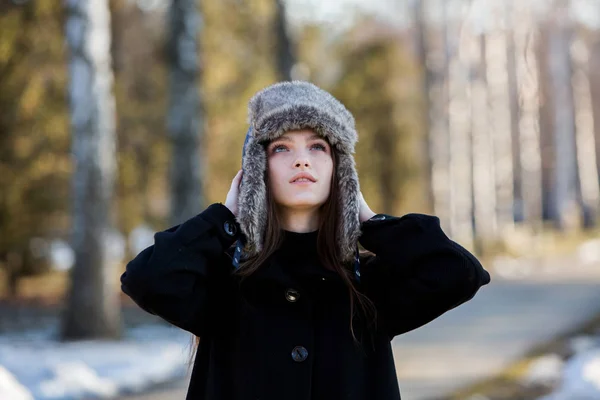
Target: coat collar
{"x": 295, "y": 260}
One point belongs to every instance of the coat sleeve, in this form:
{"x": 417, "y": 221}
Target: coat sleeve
{"x": 176, "y": 277}
{"x": 416, "y": 273}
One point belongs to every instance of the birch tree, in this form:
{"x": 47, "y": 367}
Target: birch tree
{"x": 184, "y": 119}
{"x": 286, "y": 58}
{"x": 501, "y": 139}
{"x": 566, "y": 191}
{"x": 514, "y": 112}
{"x": 428, "y": 143}
{"x": 586, "y": 152}
{"x": 459, "y": 136}
{"x": 435, "y": 47}
{"x": 594, "y": 80}
{"x": 93, "y": 303}
{"x": 483, "y": 162}
{"x": 545, "y": 121}
{"x": 527, "y": 77}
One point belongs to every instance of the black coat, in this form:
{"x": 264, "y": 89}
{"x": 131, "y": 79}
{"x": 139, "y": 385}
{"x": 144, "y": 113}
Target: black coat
{"x": 284, "y": 333}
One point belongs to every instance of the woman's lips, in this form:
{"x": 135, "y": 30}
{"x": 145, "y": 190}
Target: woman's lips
{"x": 307, "y": 182}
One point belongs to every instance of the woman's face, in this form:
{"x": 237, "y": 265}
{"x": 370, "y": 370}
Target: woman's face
{"x": 297, "y": 152}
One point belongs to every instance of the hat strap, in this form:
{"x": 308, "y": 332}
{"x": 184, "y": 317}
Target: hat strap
{"x": 357, "y": 264}
{"x": 237, "y": 255}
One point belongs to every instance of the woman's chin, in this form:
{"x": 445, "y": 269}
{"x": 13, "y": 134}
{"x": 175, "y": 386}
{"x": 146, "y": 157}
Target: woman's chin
{"x": 304, "y": 202}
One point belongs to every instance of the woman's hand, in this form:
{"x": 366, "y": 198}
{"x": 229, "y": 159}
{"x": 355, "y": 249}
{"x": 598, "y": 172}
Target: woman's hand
{"x": 231, "y": 201}
{"x": 365, "y": 211}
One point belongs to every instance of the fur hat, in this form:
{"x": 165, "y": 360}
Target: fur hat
{"x": 272, "y": 112}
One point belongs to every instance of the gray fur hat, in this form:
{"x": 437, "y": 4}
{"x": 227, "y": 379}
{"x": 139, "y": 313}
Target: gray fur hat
{"x": 272, "y": 112}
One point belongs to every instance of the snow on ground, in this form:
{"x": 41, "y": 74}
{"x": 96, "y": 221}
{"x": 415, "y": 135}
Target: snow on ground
{"x": 35, "y": 366}
{"x": 580, "y": 377}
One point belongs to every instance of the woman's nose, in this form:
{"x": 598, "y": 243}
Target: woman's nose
{"x": 302, "y": 160}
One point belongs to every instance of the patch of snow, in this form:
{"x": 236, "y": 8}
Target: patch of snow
{"x": 76, "y": 379}
{"x": 53, "y": 370}
{"x": 545, "y": 370}
{"x": 10, "y": 388}
{"x": 581, "y": 378}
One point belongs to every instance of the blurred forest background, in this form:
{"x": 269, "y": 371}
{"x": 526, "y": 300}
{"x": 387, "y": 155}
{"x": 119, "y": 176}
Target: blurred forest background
{"x": 119, "y": 118}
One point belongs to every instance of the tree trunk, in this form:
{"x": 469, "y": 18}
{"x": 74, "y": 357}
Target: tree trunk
{"x": 514, "y": 110}
{"x": 546, "y": 123}
{"x": 93, "y": 305}
{"x": 484, "y": 184}
{"x": 285, "y": 49}
{"x": 185, "y": 111}
{"x": 566, "y": 192}
{"x": 594, "y": 78}
{"x": 529, "y": 115}
{"x": 589, "y": 191}
{"x": 458, "y": 141}
{"x": 428, "y": 117}
{"x": 496, "y": 74}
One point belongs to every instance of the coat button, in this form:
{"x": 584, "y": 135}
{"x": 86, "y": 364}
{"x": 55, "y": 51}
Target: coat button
{"x": 299, "y": 354}
{"x": 292, "y": 295}
{"x": 230, "y": 228}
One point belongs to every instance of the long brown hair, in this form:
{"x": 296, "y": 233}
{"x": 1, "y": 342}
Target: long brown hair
{"x": 327, "y": 249}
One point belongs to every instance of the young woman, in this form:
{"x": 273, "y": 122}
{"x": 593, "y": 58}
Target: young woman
{"x": 272, "y": 281}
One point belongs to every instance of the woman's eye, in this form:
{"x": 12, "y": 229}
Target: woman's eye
{"x": 317, "y": 145}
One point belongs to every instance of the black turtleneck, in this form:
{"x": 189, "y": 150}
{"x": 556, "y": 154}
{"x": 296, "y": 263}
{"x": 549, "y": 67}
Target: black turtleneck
{"x": 298, "y": 254}
{"x": 298, "y": 246}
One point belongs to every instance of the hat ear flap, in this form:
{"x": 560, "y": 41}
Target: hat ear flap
{"x": 248, "y": 135}
{"x": 252, "y": 198}
{"x": 241, "y": 242}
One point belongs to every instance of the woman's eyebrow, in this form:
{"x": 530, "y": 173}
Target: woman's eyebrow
{"x": 288, "y": 139}
{"x": 282, "y": 139}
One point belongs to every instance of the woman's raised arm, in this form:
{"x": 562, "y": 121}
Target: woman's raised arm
{"x": 417, "y": 273}
{"x": 179, "y": 278}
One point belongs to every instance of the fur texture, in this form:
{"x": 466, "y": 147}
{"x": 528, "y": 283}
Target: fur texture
{"x": 289, "y": 106}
